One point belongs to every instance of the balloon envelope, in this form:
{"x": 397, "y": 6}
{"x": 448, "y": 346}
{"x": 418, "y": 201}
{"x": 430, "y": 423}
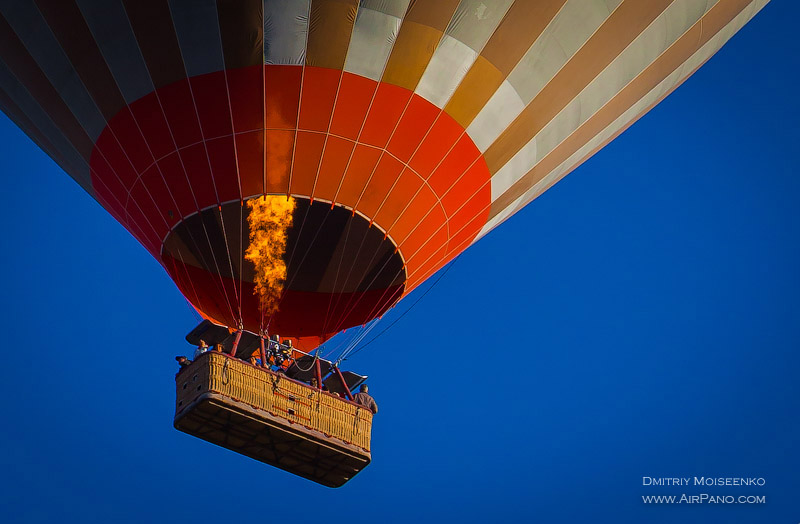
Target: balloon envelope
{"x": 403, "y": 130}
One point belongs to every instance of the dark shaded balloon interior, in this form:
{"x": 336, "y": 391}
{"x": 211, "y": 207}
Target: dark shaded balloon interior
{"x": 342, "y": 271}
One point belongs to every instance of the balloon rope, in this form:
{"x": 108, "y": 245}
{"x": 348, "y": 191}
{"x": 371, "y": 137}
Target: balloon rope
{"x": 337, "y": 325}
{"x": 336, "y": 280}
{"x": 449, "y": 266}
{"x": 241, "y": 207}
{"x": 238, "y": 181}
{"x": 343, "y": 317}
{"x": 263, "y": 164}
{"x": 161, "y": 174}
{"x": 314, "y": 187}
{"x": 347, "y": 311}
{"x": 313, "y": 362}
{"x": 357, "y": 340}
{"x": 345, "y": 340}
{"x": 348, "y": 308}
{"x": 294, "y": 148}
{"x": 221, "y": 287}
{"x": 300, "y": 265}
{"x": 330, "y": 118}
{"x": 299, "y": 100}
{"x": 237, "y": 295}
{"x": 263, "y": 107}
{"x": 381, "y": 302}
{"x": 369, "y": 108}
{"x": 289, "y": 264}
{"x": 241, "y": 258}
{"x": 211, "y": 171}
{"x": 128, "y": 223}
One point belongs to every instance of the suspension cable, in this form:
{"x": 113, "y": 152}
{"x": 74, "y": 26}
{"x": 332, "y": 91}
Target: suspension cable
{"x": 357, "y": 340}
{"x": 336, "y": 280}
{"x": 449, "y": 266}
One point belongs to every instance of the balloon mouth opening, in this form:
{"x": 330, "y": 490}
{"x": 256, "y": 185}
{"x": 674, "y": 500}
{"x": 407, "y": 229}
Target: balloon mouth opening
{"x": 340, "y": 269}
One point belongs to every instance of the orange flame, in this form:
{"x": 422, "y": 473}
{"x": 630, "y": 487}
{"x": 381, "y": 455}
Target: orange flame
{"x": 269, "y": 220}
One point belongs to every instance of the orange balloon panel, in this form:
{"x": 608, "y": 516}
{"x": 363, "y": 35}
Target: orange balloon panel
{"x": 188, "y": 201}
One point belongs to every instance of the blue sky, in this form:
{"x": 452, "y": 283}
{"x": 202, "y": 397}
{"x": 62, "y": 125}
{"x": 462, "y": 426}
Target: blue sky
{"x": 642, "y": 318}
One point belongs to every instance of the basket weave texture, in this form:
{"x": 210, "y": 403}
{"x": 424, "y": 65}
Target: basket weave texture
{"x": 296, "y": 402}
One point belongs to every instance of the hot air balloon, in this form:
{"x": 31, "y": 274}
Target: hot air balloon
{"x": 299, "y": 166}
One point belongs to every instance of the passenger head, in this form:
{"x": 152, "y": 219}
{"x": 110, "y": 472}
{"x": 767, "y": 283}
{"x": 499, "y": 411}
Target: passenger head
{"x": 364, "y": 388}
{"x": 203, "y": 344}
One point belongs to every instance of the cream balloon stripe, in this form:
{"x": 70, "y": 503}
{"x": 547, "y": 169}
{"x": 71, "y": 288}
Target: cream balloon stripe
{"x": 671, "y": 59}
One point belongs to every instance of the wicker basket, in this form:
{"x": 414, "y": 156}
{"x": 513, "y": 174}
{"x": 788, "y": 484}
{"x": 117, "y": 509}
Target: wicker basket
{"x": 272, "y": 418}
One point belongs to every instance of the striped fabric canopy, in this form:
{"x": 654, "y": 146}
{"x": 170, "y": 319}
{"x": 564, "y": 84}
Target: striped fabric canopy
{"x": 405, "y": 129}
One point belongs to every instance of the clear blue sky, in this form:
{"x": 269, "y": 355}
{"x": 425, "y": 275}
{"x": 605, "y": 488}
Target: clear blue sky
{"x": 642, "y": 318}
